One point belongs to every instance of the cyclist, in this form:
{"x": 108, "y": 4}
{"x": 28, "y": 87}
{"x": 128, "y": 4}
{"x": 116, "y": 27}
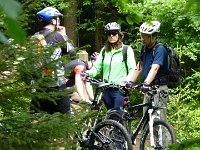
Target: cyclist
{"x": 110, "y": 62}
{"x": 153, "y": 64}
{"x": 54, "y": 33}
{"x": 83, "y": 88}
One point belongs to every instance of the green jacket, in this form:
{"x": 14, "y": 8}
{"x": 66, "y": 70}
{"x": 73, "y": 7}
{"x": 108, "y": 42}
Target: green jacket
{"x": 114, "y": 69}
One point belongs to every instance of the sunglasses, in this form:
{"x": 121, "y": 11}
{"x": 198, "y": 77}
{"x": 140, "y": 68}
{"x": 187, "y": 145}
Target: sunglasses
{"x": 112, "y": 33}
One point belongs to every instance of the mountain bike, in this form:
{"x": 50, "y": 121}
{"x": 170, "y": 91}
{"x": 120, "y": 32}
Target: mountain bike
{"x": 104, "y": 134}
{"x": 157, "y": 134}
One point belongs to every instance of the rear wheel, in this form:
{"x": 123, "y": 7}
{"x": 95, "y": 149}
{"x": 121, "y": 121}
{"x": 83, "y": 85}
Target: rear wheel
{"x": 164, "y": 135}
{"x": 111, "y": 135}
{"x": 114, "y": 115}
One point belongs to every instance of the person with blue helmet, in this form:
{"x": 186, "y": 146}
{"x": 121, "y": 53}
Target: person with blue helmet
{"x": 53, "y": 34}
{"x": 48, "y": 13}
{"x": 50, "y": 17}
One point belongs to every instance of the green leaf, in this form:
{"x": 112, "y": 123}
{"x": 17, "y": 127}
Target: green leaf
{"x": 134, "y": 18}
{"x": 15, "y": 31}
{"x": 11, "y": 8}
{"x": 129, "y": 19}
{"x": 3, "y": 38}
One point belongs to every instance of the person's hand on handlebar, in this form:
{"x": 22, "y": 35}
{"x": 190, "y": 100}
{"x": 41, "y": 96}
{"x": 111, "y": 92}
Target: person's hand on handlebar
{"x": 145, "y": 88}
{"x": 130, "y": 85}
{"x": 127, "y": 84}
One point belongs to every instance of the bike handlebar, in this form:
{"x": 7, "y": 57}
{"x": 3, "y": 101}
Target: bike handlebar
{"x": 153, "y": 89}
{"x": 101, "y": 84}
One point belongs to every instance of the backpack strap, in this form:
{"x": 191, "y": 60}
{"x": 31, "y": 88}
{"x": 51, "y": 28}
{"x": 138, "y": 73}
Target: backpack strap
{"x": 124, "y": 53}
{"x": 155, "y": 47}
{"x": 40, "y": 43}
{"x": 160, "y": 44}
{"x": 103, "y": 54}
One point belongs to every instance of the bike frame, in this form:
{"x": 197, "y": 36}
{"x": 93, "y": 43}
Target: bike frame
{"x": 98, "y": 98}
{"x": 147, "y": 118}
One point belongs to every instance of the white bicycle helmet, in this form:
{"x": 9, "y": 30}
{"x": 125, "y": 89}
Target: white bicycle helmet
{"x": 48, "y": 13}
{"x": 113, "y": 26}
{"x": 150, "y": 28}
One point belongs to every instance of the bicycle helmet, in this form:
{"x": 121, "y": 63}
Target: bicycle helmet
{"x": 150, "y": 28}
{"x": 48, "y": 13}
{"x": 112, "y": 26}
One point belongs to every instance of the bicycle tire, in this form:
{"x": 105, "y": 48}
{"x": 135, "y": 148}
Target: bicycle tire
{"x": 113, "y": 115}
{"x": 167, "y": 132}
{"x": 118, "y": 117}
{"x": 113, "y": 135}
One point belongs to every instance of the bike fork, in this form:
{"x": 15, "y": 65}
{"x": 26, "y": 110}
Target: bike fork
{"x": 151, "y": 121}
{"x": 160, "y": 132}
{"x": 151, "y": 128}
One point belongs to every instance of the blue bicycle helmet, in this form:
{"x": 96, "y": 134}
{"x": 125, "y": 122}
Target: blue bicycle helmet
{"x": 48, "y": 13}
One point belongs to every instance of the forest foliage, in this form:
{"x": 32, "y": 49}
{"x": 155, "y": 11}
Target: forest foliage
{"x": 180, "y": 28}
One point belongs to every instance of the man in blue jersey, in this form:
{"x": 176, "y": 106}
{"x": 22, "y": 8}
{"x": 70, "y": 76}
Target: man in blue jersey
{"x": 153, "y": 64}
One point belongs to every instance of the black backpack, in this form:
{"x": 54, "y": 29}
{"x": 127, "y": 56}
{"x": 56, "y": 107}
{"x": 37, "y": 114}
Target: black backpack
{"x": 124, "y": 52}
{"x": 173, "y": 77}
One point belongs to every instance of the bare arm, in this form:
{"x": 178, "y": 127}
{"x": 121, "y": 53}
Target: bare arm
{"x": 83, "y": 88}
{"x": 80, "y": 86}
{"x": 152, "y": 73}
{"x": 89, "y": 90}
{"x": 137, "y": 72}
{"x": 79, "y": 83}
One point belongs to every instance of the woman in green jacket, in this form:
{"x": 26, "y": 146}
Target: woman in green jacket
{"x": 111, "y": 62}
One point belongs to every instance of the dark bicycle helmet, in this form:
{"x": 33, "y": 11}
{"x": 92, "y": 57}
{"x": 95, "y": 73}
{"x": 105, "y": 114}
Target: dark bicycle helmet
{"x": 48, "y": 13}
{"x": 112, "y": 26}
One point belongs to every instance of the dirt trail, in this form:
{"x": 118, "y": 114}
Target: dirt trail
{"x": 137, "y": 146}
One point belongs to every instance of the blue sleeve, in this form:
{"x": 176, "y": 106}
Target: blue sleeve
{"x": 160, "y": 54}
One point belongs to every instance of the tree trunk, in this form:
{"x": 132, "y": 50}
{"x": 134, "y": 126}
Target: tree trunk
{"x": 99, "y": 30}
{"x": 70, "y": 21}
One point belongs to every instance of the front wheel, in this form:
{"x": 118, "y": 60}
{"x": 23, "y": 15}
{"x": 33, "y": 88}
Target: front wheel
{"x": 164, "y": 135}
{"x": 111, "y": 135}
